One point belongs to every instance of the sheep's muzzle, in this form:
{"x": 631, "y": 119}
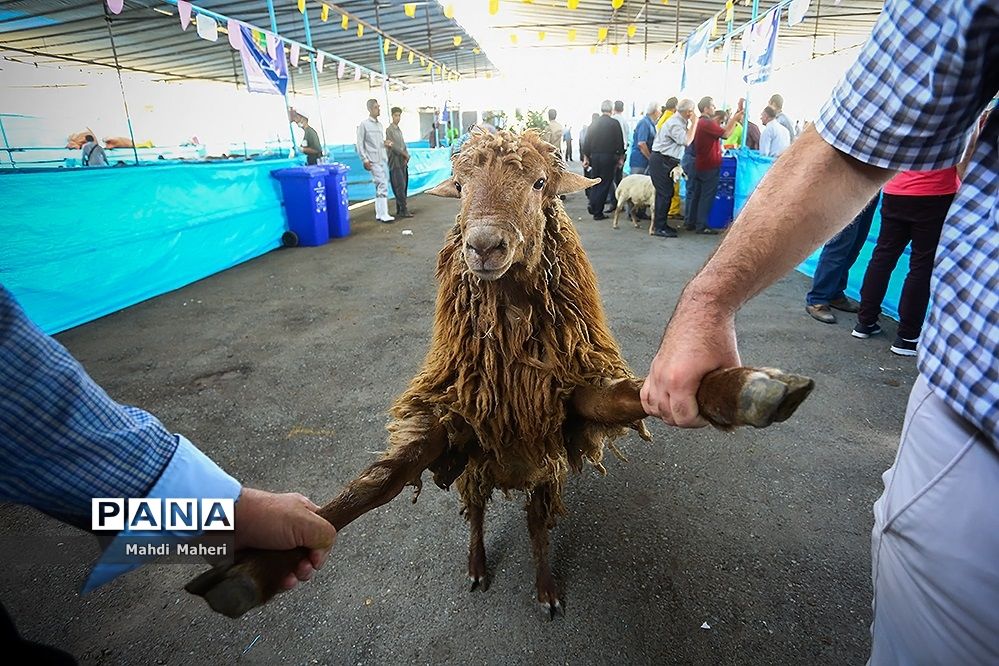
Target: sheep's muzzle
{"x": 488, "y": 250}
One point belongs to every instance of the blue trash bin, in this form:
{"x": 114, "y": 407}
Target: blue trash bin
{"x": 723, "y": 207}
{"x": 304, "y": 192}
{"x": 337, "y": 200}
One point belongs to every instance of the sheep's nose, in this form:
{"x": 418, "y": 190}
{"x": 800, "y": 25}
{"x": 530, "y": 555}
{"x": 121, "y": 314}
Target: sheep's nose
{"x": 483, "y": 242}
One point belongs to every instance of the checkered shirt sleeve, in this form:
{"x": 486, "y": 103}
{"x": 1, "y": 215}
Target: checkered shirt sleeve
{"x": 909, "y": 103}
{"x": 63, "y": 441}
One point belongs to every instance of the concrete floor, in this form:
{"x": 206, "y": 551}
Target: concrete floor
{"x": 282, "y": 370}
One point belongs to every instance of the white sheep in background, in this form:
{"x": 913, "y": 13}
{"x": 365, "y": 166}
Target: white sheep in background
{"x": 636, "y": 189}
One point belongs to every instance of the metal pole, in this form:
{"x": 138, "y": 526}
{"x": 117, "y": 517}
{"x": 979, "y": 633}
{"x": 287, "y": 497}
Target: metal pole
{"x": 315, "y": 74}
{"x": 815, "y": 33}
{"x": 381, "y": 55}
{"x": 274, "y": 29}
{"x": 728, "y": 59}
{"x": 676, "y": 39}
{"x": 235, "y": 80}
{"x": 121, "y": 84}
{"x": 6, "y": 144}
{"x": 646, "y": 30}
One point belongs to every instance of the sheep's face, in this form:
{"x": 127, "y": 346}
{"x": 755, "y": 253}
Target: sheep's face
{"x": 506, "y": 182}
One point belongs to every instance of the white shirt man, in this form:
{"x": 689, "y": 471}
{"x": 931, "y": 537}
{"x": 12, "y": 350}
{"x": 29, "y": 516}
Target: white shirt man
{"x": 371, "y": 146}
{"x": 774, "y": 139}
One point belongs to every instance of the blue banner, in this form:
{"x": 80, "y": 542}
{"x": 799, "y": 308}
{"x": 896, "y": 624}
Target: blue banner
{"x": 758, "y": 48}
{"x": 696, "y": 46}
{"x": 264, "y": 73}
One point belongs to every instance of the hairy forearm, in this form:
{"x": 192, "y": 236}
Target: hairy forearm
{"x": 811, "y": 193}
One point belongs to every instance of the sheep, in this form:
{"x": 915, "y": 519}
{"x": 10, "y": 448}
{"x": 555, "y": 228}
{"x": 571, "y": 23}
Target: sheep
{"x": 523, "y": 380}
{"x": 637, "y": 190}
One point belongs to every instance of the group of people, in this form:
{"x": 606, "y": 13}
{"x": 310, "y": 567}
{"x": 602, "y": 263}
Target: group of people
{"x": 680, "y": 136}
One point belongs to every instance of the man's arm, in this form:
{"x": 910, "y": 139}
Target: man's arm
{"x": 360, "y": 146}
{"x": 792, "y": 211}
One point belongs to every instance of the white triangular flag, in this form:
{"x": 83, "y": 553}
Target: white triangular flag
{"x": 115, "y": 6}
{"x": 357, "y": 73}
{"x": 208, "y": 29}
{"x": 235, "y": 34}
{"x": 796, "y": 11}
{"x": 295, "y": 52}
{"x": 184, "y": 9}
{"x": 272, "y": 44}
{"x": 320, "y": 60}
{"x": 341, "y": 69}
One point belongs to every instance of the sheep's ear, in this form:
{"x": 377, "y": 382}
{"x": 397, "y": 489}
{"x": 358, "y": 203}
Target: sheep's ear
{"x": 445, "y": 189}
{"x": 570, "y": 182}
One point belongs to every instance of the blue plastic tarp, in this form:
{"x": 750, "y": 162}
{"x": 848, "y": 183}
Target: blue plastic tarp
{"x": 427, "y": 167}
{"x": 82, "y": 243}
{"x": 752, "y": 166}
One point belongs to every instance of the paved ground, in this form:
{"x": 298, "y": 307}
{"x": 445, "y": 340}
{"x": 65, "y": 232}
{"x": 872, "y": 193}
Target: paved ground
{"x": 282, "y": 370}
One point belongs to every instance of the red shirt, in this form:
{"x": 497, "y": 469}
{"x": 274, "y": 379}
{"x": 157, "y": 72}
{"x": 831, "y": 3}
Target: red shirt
{"x": 707, "y": 148}
{"x": 924, "y": 183}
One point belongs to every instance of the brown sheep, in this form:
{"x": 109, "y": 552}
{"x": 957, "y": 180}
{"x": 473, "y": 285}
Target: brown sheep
{"x": 523, "y": 380}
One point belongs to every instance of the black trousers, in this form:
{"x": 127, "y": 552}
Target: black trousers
{"x": 904, "y": 219}
{"x": 602, "y": 166}
{"x": 660, "y": 170}
{"x": 568, "y": 150}
{"x": 399, "y": 180}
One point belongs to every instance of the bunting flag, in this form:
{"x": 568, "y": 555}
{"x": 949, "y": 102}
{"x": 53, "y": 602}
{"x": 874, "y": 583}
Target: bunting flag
{"x": 457, "y": 40}
{"x": 235, "y": 36}
{"x": 476, "y": 50}
{"x": 386, "y": 45}
{"x": 494, "y": 7}
{"x": 695, "y": 50}
{"x": 398, "y": 53}
{"x": 184, "y": 9}
{"x": 411, "y": 56}
{"x": 272, "y": 45}
{"x": 513, "y": 38}
{"x": 449, "y": 11}
{"x": 208, "y": 29}
{"x": 632, "y": 29}
{"x": 320, "y": 61}
{"x": 601, "y": 34}
{"x": 324, "y": 13}
{"x": 296, "y": 51}
{"x": 357, "y": 73}
{"x": 341, "y": 69}
{"x": 344, "y": 22}
{"x": 614, "y": 49}
{"x": 729, "y": 11}
{"x": 423, "y": 61}
{"x": 541, "y": 35}
{"x": 616, "y": 4}
{"x": 572, "y": 4}
{"x": 758, "y": 48}
{"x": 115, "y": 6}
{"x": 410, "y": 9}
{"x": 796, "y": 11}
{"x": 571, "y": 35}
{"x": 714, "y": 25}
{"x": 263, "y": 73}
{"x": 301, "y": 6}
{"x": 371, "y": 78}
{"x": 360, "y": 30}
{"x": 593, "y": 50}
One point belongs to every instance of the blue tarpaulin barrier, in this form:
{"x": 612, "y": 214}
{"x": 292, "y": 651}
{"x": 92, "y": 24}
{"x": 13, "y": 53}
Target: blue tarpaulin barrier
{"x": 82, "y": 243}
{"x": 427, "y": 167}
{"x": 751, "y": 168}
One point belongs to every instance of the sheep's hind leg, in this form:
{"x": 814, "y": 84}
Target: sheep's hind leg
{"x": 476, "y": 547}
{"x": 617, "y": 211}
{"x": 540, "y": 519}
{"x": 257, "y": 575}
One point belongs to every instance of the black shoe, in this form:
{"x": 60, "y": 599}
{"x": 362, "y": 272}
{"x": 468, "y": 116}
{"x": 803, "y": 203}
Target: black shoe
{"x": 600, "y": 217}
{"x": 903, "y": 347}
{"x": 665, "y": 233}
{"x": 708, "y": 231}
{"x": 864, "y": 331}
{"x": 688, "y": 227}
{"x": 404, "y": 213}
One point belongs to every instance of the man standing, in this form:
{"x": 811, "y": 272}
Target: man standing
{"x": 667, "y": 112}
{"x": 707, "y": 165}
{"x": 92, "y": 154}
{"x": 552, "y": 133}
{"x": 371, "y": 145}
{"x": 452, "y": 133}
{"x": 641, "y": 140}
{"x": 777, "y": 104}
{"x": 603, "y": 153}
{"x": 567, "y": 137}
{"x": 398, "y": 160}
{"x": 667, "y": 151}
{"x": 618, "y": 115}
{"x": 774, "y": 139}
{"x": 936, "y": 530}
{"x": 311, "y": 145}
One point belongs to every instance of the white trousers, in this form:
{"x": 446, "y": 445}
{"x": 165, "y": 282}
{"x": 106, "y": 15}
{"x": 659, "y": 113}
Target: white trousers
{"x": 935, "y": 545}
{"x": 379, "y": 173}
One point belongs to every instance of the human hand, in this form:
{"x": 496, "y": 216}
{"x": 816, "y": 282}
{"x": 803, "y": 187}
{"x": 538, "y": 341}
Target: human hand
{"x": 699, "y": 339}
{"x": 283, "y": 522}
{"x": 367, "y": 165}
{"x": 388, "y": 144}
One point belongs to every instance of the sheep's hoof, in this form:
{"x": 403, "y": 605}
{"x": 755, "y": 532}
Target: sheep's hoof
{"x": 234, "y": 589}
{"x": 548, "y": 597}
{"x": 770, "y": 396}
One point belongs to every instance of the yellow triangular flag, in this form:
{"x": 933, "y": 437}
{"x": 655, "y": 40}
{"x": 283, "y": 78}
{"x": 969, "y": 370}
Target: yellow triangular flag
{"x": 398, "y": 53}
{"x": 360, "y": 30}
{"x": 449, "y": 11}
{"x": 616, "y": 4}
{"x": 423, "y": 61}
{"x": 386, "y": 45}
{"x": 541, "y": 35}
{"x": 489, "y": 75}
{"x": 601, "y": 34}
{"x": 632, "y": 29}
{"x": 430, "y": 66}
{"x": 571, "y": 35}
{"x": 344, "y": 21}
{"x": 324, "y": 15}
{"x": 729, "y": 11}
{"x": 410, "y": 9}
{"x": 457, "y": 40}
{"x": 411, "y": 57}
{"x": 614, "y": 49}
{"x": 440, "y": 70}
{"x": 593, "y": 50}
{"x": 513, "y": 38}
{"x": 476, "y": 50}
{"x": 572, "y": 4}
{"x": 301, "y": 6}
{"x": 493, "y": 7}
{"x": 714, "y": 24}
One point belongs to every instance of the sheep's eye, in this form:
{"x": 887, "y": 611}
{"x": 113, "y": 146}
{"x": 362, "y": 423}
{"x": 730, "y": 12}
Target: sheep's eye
{"x": 539, "y": 183}
{"x": 457, "y": 186}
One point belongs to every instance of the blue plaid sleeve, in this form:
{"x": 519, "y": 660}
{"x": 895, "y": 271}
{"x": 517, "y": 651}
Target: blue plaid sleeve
{"x": 912, "y": 97}
{"x": 63, "y": 440}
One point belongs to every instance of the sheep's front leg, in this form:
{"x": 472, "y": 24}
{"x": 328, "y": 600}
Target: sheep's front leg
{"x": 256, "y": 575}
{"x": 476, "y": 547}
{"x": 726, "y": 398}
{"x": 540, "y": 519}
{"x": 617, "y": 211}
